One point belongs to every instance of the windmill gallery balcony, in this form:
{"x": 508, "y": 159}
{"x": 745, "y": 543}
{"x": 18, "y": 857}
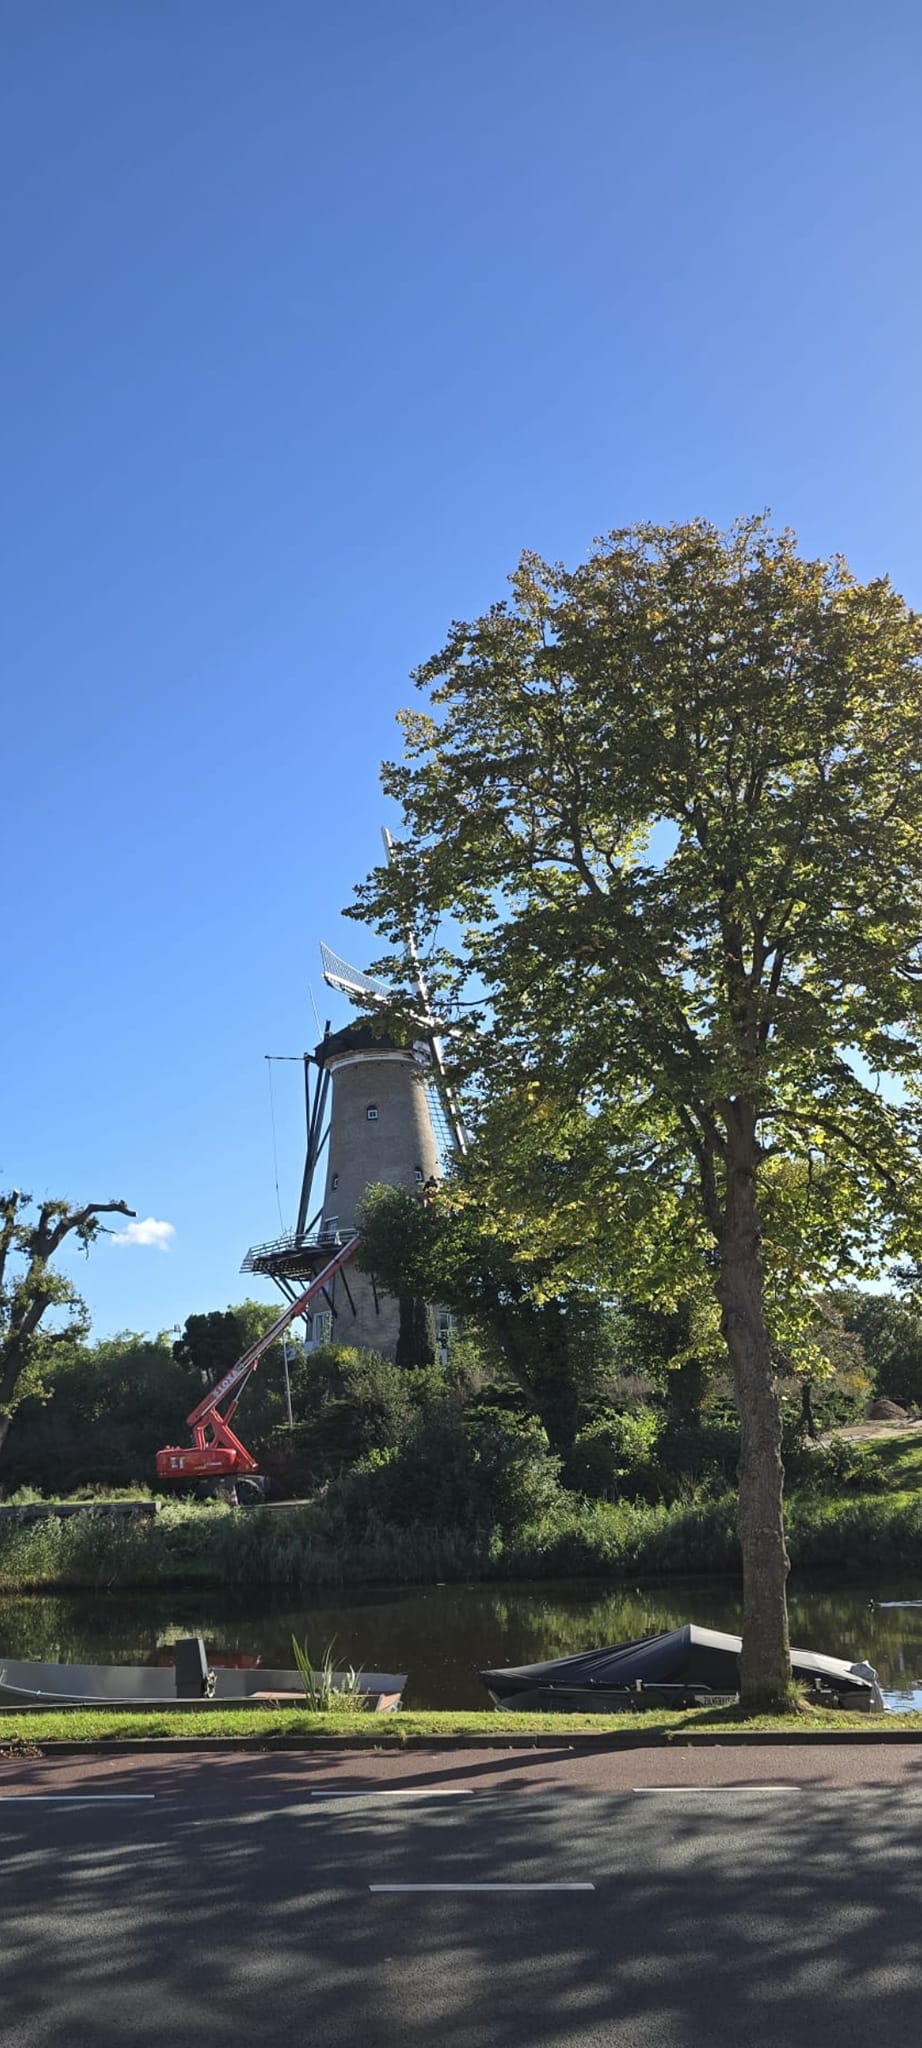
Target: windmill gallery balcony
{"x": 297, "y": 1255}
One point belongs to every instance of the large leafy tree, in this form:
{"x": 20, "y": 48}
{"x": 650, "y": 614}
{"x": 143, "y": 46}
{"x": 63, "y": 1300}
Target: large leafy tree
{"x": 212, "y": 1342}
{"x": 890, "y": 1331}
{"x": 555, "y": 1345}
{"x": 114, "y": 1404}
{"x": 671, "y": 802}
{"x": 30, "y": 1289}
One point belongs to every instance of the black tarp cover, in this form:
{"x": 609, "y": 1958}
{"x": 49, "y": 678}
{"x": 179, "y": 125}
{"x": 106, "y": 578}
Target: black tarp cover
{"x": 680, "y": 1656}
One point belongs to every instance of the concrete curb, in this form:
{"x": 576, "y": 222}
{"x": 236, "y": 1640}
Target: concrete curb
{"x": 228, "y": 1745}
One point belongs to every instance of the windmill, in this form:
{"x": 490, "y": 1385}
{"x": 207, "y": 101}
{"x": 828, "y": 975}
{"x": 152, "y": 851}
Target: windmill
{"x": 376, "y": 1110}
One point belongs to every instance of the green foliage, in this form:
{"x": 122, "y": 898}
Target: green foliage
{"x": 335, "y": 1542}
{"x": 890, "y": 1331}
{"x": 614, "y": 1454}
{"x": 211, "y": 1343}
{"x": 897, "y": 1460}
{"x": 115, "y": 1404}
{"x": 591, "y": 1466}
{"x": 481, "y": 1469}
{"x": 291, "y": 1728}
{"x": 671, "y": 1348}
{"x": 822, "y": 1376}
{"x": 668, "y": 806}
{"x": 834, "y": 1468}
{"x": 321, "y": 1691}
{"x": 348, "y": 1402}
{"x": 723, "y": 689}
{"x": 647, "y": 1454}
{"x": 118, "y": 1401}
{"x": 556, "y": 1346}
{"x": 416, "y": 1336}
{"x": 31, "y": 1291}
{"x": 706, "y": 1451}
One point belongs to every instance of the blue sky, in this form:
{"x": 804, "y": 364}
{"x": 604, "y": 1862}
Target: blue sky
{"x": 313, "y": 318}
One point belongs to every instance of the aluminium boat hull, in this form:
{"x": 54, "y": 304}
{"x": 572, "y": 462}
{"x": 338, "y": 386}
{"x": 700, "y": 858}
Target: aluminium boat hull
{"x": 27, "y": 1684}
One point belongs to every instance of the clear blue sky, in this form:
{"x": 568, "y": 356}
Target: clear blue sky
{"x": 313, "y": 318}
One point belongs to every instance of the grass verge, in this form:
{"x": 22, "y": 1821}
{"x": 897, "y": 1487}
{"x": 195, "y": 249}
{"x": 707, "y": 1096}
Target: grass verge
{"x": 394, "y": 1731}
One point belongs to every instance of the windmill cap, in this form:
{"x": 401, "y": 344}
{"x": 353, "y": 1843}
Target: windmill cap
{"x": 356, "y": 1038}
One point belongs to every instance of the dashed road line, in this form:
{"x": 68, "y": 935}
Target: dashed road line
{"x": 396, "y": 1792}
{"x": 488, "y": 1887}
{"x": 76, "y": 1798}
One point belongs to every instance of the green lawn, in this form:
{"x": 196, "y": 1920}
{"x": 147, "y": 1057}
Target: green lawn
{"x": 385, "y": 1731}
{"x": 893, "y": 1461}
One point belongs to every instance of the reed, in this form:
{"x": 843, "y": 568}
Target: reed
{"x": 325, "y": 1690}
{"x": 211, "y": 1545}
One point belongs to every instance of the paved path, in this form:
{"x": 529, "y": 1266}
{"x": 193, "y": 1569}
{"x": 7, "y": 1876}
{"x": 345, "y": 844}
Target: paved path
{"x": 237, "y": 1776}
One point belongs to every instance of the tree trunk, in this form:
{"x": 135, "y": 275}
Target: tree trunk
{"x": 807, "y": 1417}
{"x": 522, "y": 1340}
{"x": 416, "y": 1333}
{"x": 766, "y": 1662}
{"x": 11, "y": 1367}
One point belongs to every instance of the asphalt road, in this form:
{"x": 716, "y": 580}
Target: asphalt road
{"x": 229, "y": 1775}
{"x": 737, "y": 1917}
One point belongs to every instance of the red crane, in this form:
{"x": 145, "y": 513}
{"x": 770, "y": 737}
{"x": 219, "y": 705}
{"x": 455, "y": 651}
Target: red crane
{"x": 215, "y": 1452}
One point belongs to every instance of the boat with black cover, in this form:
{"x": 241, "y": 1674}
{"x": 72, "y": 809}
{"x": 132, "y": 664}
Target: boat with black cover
{"x": 681, "y": 1667}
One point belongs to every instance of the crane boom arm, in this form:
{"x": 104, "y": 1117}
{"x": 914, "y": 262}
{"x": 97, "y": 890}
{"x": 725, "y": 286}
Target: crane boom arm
{"x": 251, "y": 1358}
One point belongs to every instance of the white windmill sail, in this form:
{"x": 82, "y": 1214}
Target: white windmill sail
{"x": 447, "y": 1098}
{"x": 450, "y": 1133}
{"x": 337, "y": 973}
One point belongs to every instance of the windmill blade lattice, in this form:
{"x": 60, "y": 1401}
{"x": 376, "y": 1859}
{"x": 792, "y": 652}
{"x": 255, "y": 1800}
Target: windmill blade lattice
{"x": 337, "y": 973}
{"x": 451, "y": 1137}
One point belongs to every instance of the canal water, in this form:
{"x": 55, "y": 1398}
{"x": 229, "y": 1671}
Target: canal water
{"x": 443, "y": 1635}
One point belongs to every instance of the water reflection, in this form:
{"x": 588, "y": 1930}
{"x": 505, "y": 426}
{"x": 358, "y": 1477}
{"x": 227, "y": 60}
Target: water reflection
{"x": 443, "y": 1635}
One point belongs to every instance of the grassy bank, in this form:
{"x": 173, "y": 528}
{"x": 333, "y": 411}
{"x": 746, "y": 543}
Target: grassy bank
{"x": 875, "y": 1517}
{"x": 394, "y": 1731}
{"x": 189, "y": 1546}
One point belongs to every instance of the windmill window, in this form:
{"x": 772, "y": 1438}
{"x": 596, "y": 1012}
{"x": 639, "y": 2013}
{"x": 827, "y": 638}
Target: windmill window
{"x": 417, "y": 1173}
{"x": 334, "y": 1183}
{"x": 371, "y": 1113}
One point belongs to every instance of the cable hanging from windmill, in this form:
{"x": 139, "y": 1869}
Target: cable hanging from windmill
{"x": 275, "y": 1149}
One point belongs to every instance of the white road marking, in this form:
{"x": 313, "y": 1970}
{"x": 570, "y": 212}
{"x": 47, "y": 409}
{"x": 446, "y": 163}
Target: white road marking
{"x": 75, "y": 1798}
{"x": 397, "y": 1792}
{"x": 481, "y": 1887}
{"x": 706, "y": 1791}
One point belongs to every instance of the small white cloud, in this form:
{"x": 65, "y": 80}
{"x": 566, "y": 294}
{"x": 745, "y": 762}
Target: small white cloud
{"x": 149, "y": 1231}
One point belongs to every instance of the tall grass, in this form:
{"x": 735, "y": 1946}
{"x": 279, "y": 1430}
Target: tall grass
{"x": 195, "y": 1545}
{"x": 325, "y": 1690}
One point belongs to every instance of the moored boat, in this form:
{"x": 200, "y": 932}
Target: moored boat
{"x": 680, "y": 1667}
{"x": 24, "y": 1683}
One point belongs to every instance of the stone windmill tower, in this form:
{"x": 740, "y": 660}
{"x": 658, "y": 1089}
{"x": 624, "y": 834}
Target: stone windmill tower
{"x": 376, "y": 1111}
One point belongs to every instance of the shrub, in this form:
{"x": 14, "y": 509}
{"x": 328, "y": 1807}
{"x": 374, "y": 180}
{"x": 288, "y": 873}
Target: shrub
{"x": 476, "y": 1470}
{"x": 351, "y": 1402}
{"x": 706, "y": 1450}
{"x": 836, "y": 1467}
{"x": 615, "y": 1454}
{"x": 591, "y": 1465}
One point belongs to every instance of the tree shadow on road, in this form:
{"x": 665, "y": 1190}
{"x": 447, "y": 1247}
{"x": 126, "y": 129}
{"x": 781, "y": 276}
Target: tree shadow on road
{"x": 759, "y": 1922}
